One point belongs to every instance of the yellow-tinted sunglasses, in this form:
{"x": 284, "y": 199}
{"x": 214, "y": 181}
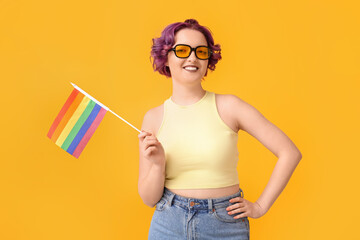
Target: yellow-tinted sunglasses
{"x": 184, "y": 51}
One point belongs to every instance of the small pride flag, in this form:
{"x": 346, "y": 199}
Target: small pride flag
{"x": 77, "y": 121}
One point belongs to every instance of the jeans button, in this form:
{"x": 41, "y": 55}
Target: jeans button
{"x": 192, "y": 204}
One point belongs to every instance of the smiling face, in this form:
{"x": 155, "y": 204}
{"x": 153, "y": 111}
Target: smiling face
{"x": 177, "y": 65}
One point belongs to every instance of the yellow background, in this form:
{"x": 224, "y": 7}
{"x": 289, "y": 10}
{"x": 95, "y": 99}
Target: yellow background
{"x": 297, "y": 62}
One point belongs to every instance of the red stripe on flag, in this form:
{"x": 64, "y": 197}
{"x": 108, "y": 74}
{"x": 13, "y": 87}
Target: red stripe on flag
{"x": 62, "y": 112}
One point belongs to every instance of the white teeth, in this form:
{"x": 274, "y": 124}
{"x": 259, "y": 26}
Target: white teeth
{"x": 191, "y": 68}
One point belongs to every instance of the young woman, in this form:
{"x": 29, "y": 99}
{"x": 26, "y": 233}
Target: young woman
{"x": 188, "y": 146}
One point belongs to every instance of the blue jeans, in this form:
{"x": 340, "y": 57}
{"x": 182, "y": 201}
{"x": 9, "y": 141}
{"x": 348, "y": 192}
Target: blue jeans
{"x": 178, "y": 217}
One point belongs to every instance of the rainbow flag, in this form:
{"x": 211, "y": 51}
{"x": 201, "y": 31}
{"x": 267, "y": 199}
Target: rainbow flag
{"x": 76, "y": 122}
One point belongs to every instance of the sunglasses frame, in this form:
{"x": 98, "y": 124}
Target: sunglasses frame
{"x": 191, "y": 49}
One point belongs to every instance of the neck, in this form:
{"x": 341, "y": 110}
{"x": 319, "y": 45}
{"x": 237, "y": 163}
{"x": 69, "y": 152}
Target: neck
{"x": 186, "y": 95}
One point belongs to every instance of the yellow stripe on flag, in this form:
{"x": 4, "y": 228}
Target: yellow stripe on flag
{"x": 72, "y": 121}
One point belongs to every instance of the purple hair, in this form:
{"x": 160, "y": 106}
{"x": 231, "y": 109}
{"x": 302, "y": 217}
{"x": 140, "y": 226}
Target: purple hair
{"x": 161, "y": 45}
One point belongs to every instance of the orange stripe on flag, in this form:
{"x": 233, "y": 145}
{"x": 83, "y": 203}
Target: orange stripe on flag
{"x": 67, "y": 116}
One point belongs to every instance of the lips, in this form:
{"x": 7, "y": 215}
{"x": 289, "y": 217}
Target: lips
{"x": 191, "y": 70}
{"x": 191, "y": 66}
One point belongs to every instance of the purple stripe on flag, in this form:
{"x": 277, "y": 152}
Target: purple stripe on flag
{"x": 89, "y": 133}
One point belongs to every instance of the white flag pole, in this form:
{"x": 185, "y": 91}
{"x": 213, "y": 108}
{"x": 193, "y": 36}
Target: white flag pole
{"x": 102, "y": 105}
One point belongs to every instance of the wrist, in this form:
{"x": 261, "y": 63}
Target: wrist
{"x": 262, "y": 206}
{"x": 159, "y": 167}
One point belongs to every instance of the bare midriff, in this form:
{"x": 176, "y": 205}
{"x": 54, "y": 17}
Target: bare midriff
{"x": 206, "y": 193}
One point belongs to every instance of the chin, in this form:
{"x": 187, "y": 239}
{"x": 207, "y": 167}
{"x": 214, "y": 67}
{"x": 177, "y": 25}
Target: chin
{"x": 191, "y": 80}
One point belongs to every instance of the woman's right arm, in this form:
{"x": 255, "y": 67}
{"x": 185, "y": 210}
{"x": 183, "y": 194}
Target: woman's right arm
{"x": 151, "y": 165}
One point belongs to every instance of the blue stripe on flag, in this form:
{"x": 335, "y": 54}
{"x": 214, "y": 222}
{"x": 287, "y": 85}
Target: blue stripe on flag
{"x": 84, "y": 129}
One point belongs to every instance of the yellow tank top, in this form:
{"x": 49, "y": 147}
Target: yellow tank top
{"x": 200, "y": 149}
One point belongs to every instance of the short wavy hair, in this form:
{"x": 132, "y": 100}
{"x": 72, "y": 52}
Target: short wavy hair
{"x": 161, "y": 45}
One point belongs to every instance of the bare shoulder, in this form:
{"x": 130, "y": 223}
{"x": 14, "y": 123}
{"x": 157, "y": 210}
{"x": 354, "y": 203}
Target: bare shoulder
{"x": 152, "y": 119}
{"x": 238, "y": 109}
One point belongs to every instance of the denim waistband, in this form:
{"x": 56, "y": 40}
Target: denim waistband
{"x": 197, "y": 203}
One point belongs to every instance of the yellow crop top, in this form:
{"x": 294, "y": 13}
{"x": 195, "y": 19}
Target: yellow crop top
{"x": 200, "y": 149}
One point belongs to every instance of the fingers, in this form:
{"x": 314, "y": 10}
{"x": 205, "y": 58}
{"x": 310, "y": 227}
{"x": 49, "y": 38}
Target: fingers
{"x": 150, "y": 143}
{"x": 239, "y": 206}
{"x": 235, "y": 206}
{"x": 149, "y": 150}
{"x": 145, "y": 134}
{"x": 236, "y": 199}
{"x": 240, "y": 216}
{"x": 148, "y": 140}
{"x": 236, "y": 209}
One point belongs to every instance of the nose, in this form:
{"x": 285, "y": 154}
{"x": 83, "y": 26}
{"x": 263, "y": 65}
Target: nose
{"x": 192, "y": 55}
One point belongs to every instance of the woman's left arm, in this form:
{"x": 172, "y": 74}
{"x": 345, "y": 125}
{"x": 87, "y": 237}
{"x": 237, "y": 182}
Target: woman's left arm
{"x": 249, "y": 119}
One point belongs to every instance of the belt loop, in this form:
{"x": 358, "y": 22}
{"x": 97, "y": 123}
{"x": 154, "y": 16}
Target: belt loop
{"x": 171, "y": 198}
{"x": 210, "y": 205}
